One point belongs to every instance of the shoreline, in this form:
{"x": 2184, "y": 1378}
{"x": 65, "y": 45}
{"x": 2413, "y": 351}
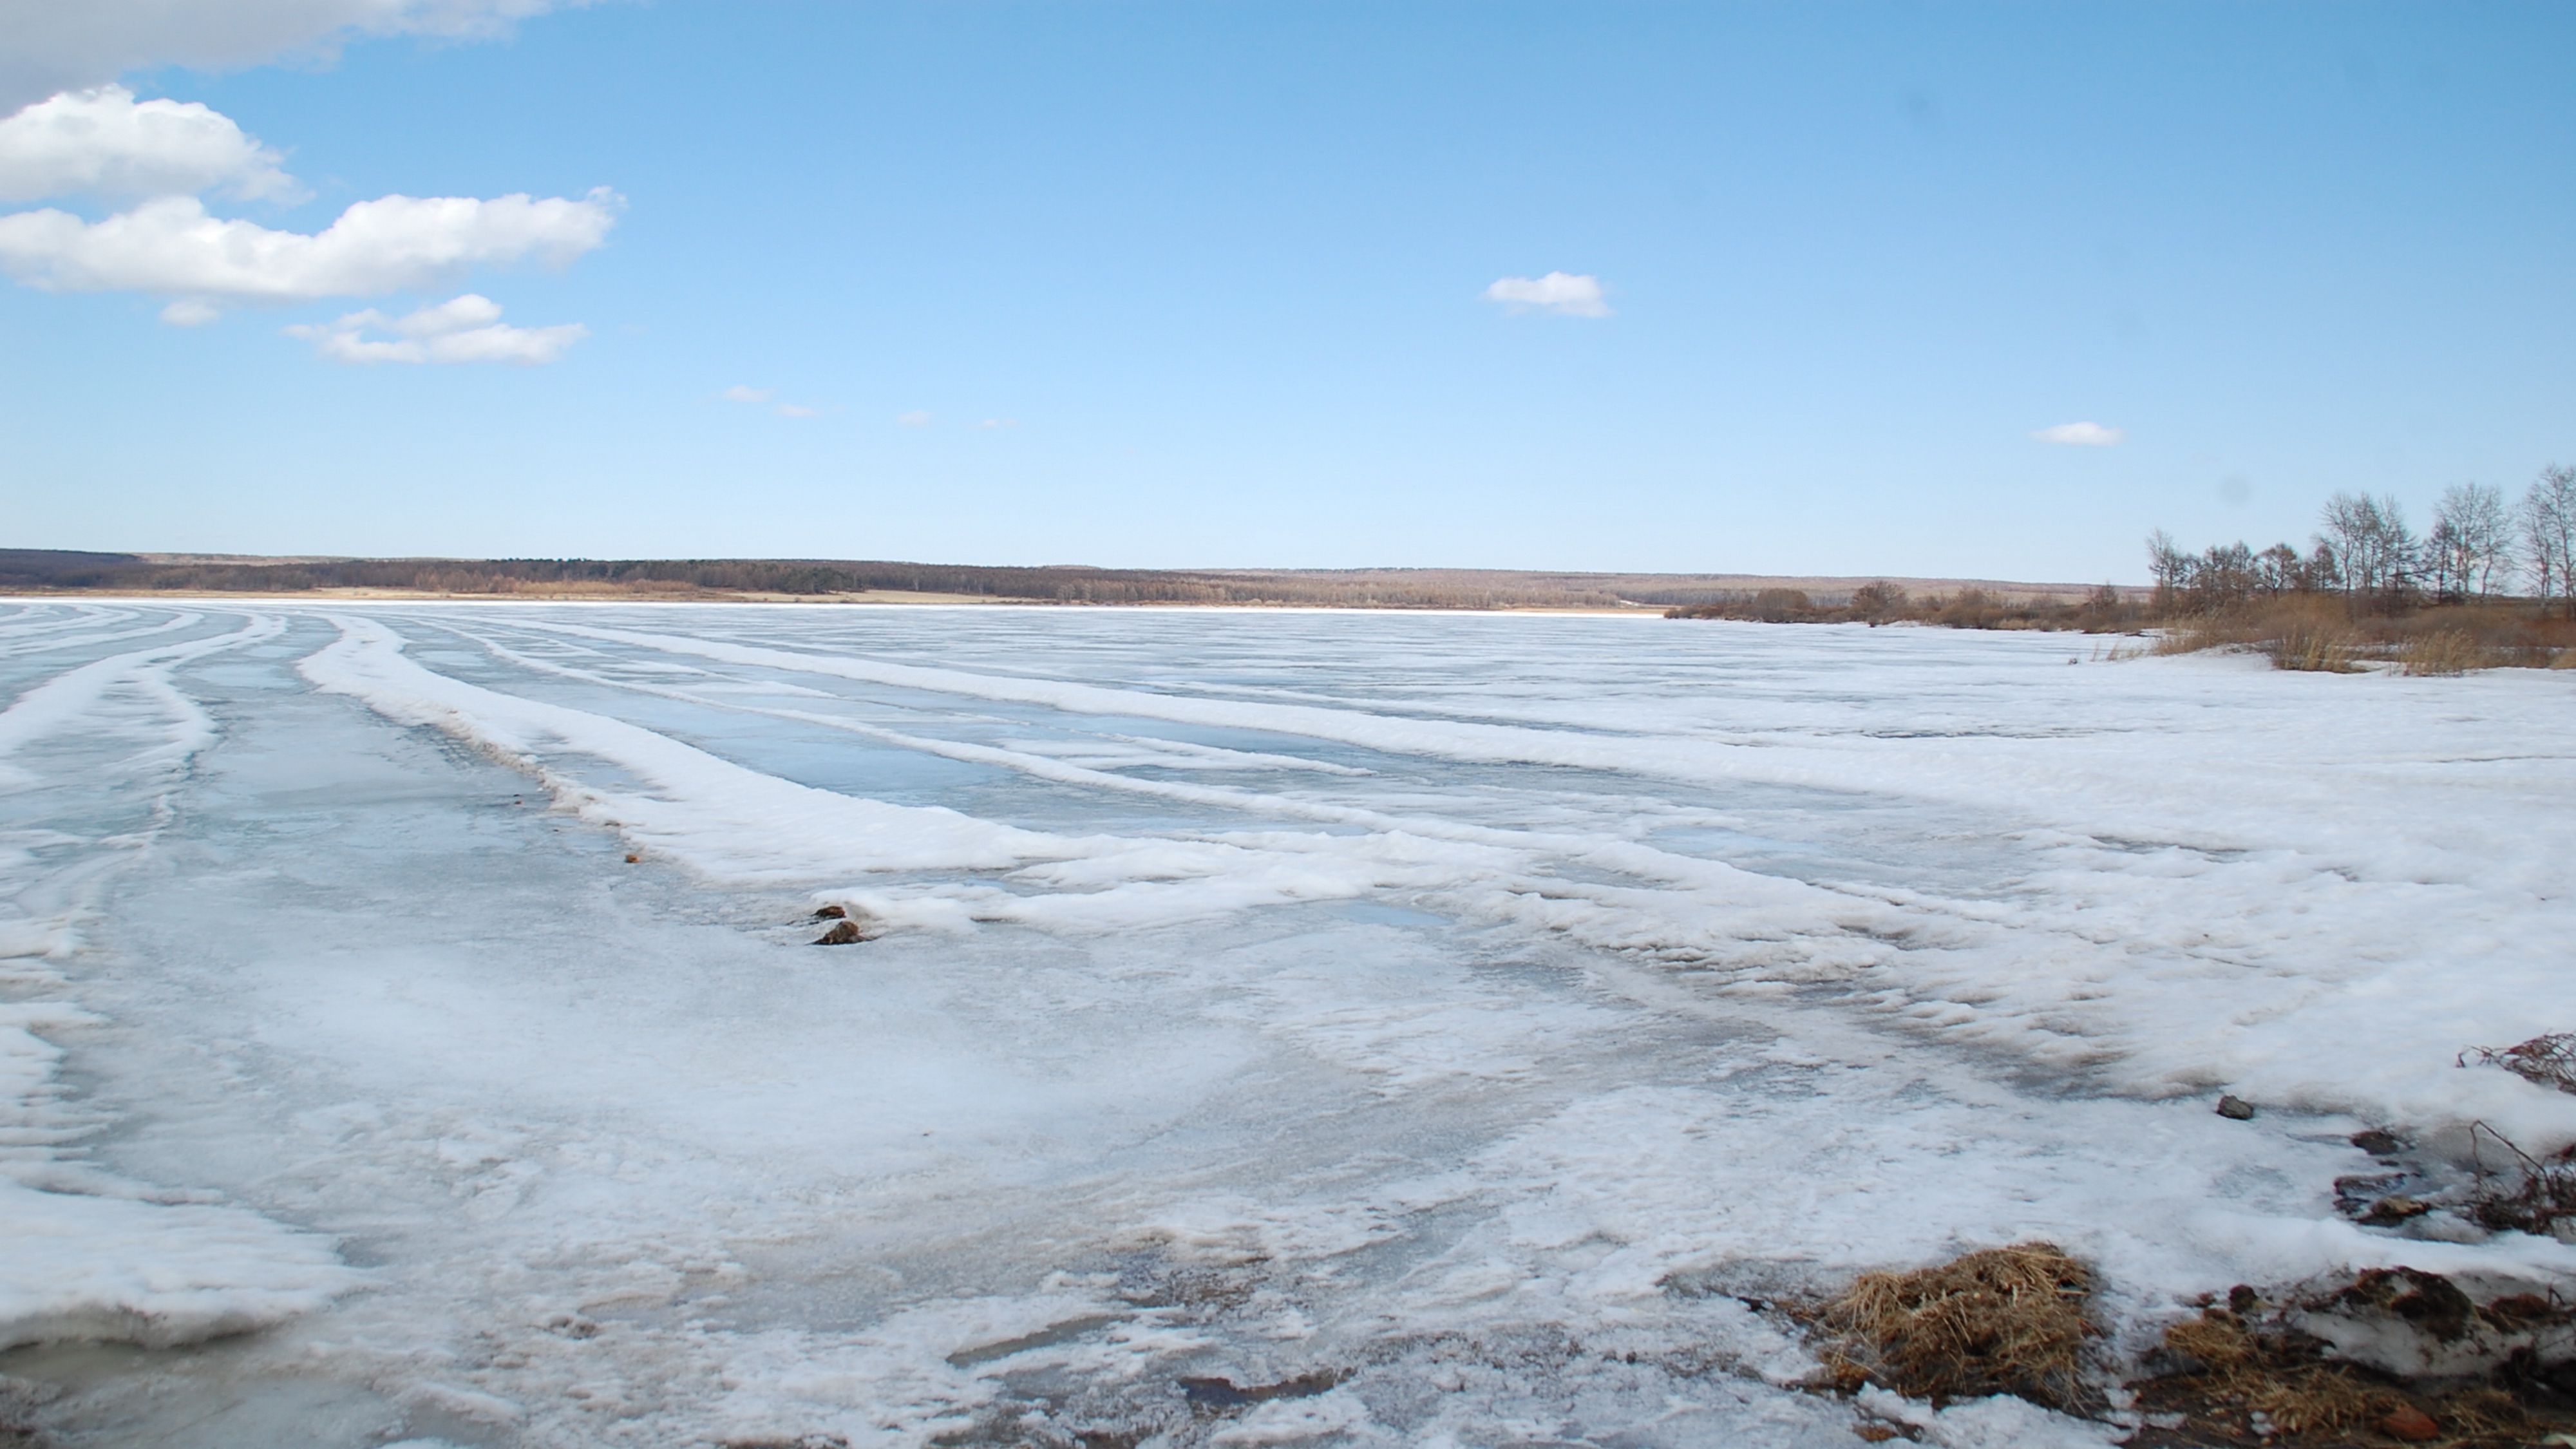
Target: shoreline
{"x": 876, "y": 598}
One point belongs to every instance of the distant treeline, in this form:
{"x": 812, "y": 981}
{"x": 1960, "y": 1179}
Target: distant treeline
{"x": 40, "y": 569}
{"x": 34, "y": 570}
{"x": 2101, "y": 611}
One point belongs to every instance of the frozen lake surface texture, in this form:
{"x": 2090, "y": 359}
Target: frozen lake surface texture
{"x": 1278, "y": 1028}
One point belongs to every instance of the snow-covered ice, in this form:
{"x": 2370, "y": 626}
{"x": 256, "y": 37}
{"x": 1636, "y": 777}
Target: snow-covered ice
{"x": 1280, "y": 1027}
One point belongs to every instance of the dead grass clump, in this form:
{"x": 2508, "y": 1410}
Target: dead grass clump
{"x": 2311, "y": 649}
{"x": 2279, "y": 1376}
{"x": 2194, "y": 637}
{"x": 2527, "y": 1194}
{"x": 2548, "y": 1061}
{"x": 2001, "y": 1321}
{"x": 2444, "y": 652}
{"x": 2254, "y": 1379}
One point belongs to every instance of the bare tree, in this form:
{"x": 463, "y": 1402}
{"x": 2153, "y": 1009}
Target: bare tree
{"x": 2372, "y": 542}
{"x": 2171, "y": 567}
{"x": 2472, "y": 537}
{"x": 2549, "y": 534}
{"x": 2446, "y": 563}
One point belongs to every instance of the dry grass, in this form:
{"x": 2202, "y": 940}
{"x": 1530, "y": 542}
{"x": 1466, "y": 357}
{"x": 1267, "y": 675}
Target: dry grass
{"x": 2019, "y": 1320}
{"x": 2313, "y": 650}
{"x": 2321, "y": 633}
{"x": 2445, "y": 652}
{"x": 2001, "y": 1321}
{"x": 2281, "y": 1379}
{"x": 2243, "y": 1368}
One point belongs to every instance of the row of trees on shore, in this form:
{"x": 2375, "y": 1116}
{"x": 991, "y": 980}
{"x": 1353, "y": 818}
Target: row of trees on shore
{"x": 2479, "y": 547}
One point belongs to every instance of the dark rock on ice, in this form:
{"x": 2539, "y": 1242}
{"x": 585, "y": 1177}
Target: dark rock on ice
{"x": 843, "y": 933}
{"x": 2235, "y": 1109}
{"x": 2395, "y": 1208}
{"x": 1226, "y": 1394}
{"x": 2430, "y": 1302}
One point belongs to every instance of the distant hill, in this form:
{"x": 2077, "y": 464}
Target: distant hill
{"x": 48, "y": 571}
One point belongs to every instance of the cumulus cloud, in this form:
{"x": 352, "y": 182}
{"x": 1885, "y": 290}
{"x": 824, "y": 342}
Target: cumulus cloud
{"x": 742, "y": 394}
{"x": 104, "y": 142}
{"x": 464, "y": 329}
{"x": 57, "y": 45}
{"x": 1563, "y": 293}
{"x": 170, "y": 245}
{"x": 913, "y": 419}
{"x": 2084, "y": 435}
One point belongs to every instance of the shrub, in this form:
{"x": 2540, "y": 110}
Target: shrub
{"x": 2310, "y": 649}
{"x": 2443, "y": 652}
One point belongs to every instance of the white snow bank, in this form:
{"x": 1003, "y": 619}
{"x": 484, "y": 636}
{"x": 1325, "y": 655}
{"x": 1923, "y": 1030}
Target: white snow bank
{"x": 86, "y": 1267}
{"x": 715, "y": 815}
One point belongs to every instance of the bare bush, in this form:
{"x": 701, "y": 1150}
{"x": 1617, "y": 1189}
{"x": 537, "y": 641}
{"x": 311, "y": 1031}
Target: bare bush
{"x": 2548, "y": 1061}
{"x": 2521, "y": 1193}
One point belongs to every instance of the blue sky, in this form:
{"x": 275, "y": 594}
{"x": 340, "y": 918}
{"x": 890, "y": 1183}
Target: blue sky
{"x": 1218, "y": 276}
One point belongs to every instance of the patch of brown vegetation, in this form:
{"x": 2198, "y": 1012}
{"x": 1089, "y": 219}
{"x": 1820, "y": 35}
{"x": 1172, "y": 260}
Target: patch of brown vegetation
{"x": 2013, "y": 1320}
{"x": 2331, "y": 633}
{"x": 2245, "y": 1377}
{"x": 2313, "y": 650}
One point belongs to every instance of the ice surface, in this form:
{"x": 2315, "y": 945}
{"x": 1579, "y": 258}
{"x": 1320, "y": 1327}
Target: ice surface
{"x": 1279, "y": 1027}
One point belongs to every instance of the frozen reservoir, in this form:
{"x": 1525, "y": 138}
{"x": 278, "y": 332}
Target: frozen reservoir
{"x": 1270, "y": 1027}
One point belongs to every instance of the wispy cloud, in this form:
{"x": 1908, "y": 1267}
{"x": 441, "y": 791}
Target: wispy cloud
{"x": 745, "y": 394}
{"x": 914, "y": 419}
{"x": 2082, "y": 435}
{"x": 464, "y": 329}
{"x": 1567, "y": 294}
{"x": 794, "y": 410}
{"x": 989, "y": 424}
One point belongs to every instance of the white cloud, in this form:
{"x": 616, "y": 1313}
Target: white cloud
{"x": 465, "y": 329}
{"x": 1563, "y": 293}
{"x": 104, "y": 142}
{"x": 172, "y": 246}
{"x": 914, "y": 419}
{"x": 794, "y": 410}
{"x": 2086, "y": 435}
{"x": 990, "y": 424}
{"x": 56, "y": 45}
{"x": 742, "y": 394}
